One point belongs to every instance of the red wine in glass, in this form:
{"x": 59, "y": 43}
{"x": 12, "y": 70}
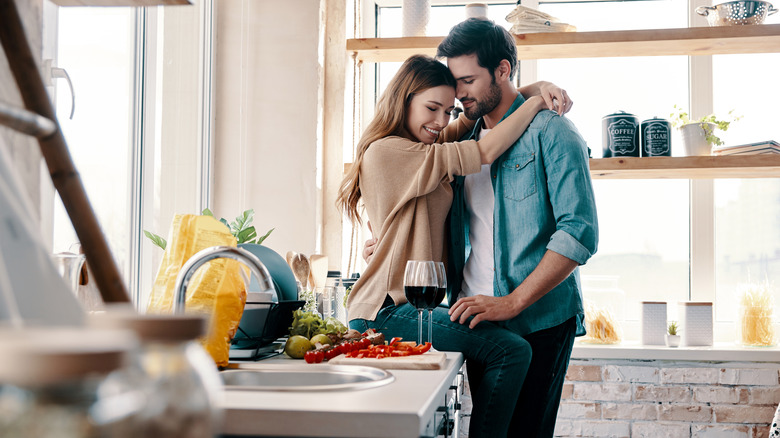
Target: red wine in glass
{"x": 421, "y": 297}
{"x": 420, "y": 284}
{"x": 441, "y": 291}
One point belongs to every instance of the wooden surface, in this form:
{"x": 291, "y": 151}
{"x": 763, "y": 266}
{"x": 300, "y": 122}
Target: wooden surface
{"x": 709, "y": 167}
{"x": 432, "y": 360}
{"x": 647, "y": 42}
{"x": 120, "y": 2}
{"x": 734, "y": 166}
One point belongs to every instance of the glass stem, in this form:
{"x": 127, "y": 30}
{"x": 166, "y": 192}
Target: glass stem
{"x": 419, "y": 326}
{"x": 430, "y": 326}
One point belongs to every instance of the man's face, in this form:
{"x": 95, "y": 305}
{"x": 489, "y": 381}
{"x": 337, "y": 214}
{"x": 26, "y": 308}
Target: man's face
{"x": 477, "y": 89}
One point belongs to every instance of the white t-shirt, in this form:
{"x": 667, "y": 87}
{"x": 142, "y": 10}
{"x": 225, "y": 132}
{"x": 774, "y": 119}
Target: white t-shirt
{"x": 479, "y": 271}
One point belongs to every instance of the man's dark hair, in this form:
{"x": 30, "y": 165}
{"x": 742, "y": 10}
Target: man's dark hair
{"x": 490, "y": 42}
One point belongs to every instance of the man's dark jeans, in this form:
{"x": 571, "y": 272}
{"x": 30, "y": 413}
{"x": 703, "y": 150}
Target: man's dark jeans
{"x": 537, "y": 407}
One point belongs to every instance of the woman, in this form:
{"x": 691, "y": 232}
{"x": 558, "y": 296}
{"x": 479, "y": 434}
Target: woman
{"x": 402, "y": 171}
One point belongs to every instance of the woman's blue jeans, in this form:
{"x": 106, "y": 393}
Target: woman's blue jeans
{"x": 504, "y": 355}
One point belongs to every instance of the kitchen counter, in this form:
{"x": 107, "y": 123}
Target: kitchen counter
{"x": 403, "y": 408}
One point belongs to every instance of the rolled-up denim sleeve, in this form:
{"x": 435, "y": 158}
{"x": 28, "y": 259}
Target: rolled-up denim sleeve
{"x": 566, "y": 245}
{"x": 570, "y": 191}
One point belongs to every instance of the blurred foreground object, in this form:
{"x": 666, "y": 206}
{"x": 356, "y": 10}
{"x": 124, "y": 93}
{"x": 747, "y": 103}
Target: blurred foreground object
{"x": 67, "y": 383}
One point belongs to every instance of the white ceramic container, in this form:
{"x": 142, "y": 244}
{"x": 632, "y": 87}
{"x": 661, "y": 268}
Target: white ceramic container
{"x": 696, "y": 318}
{"x": 415, "y": 14}
{"x": 653, "y": 322}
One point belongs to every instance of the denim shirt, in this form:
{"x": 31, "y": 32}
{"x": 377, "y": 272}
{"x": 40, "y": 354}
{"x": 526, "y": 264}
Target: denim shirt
{"x": 543, "y": 201}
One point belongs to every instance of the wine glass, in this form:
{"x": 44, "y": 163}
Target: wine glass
{"x": 420, "y": 283}
{"x": 441, "y": 291}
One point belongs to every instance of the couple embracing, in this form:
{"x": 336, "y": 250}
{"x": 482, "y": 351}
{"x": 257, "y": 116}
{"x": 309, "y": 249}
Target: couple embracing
{"x": 503, "y": 196}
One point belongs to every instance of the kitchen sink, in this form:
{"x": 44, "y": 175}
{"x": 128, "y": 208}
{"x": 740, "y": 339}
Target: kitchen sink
{"x": 304, "y": 377}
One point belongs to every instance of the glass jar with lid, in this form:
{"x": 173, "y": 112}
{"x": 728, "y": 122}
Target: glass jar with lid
{"x": 180, "y": 378}
{"x": 66, "y": 382}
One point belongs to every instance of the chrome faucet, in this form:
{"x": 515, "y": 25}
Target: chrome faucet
{"x": 215, "y": 252}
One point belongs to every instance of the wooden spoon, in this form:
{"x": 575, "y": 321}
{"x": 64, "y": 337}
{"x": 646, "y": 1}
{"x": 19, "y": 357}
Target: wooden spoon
{"x": 301, "y": 268}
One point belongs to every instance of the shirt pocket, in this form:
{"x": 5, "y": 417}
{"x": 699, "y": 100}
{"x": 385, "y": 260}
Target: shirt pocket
{"x": 519, "y": 176}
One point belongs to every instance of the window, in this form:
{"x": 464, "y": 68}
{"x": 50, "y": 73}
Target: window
{"x": 100, "y": 64}
{"x": 652, "y": 230}
{"x": 141, "y": 132}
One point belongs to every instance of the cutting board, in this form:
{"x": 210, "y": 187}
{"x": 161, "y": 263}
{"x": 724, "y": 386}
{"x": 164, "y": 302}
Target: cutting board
{"x": 432, "y": 360}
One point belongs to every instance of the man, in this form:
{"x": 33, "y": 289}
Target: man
{"x": 520, "y": 228}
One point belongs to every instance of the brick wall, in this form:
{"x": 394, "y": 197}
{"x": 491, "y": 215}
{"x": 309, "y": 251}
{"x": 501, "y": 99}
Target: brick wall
{"x": 637, "y": 398}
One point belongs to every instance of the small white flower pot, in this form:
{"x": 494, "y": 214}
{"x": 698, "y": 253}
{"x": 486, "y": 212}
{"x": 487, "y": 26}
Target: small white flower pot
{"x": 672, "y": 340}
{"x": 695, "y": 139}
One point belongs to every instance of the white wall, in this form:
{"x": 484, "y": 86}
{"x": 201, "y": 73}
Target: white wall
{"x": 266, "y": 96}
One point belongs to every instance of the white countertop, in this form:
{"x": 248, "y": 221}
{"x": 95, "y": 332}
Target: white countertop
{"x": 398, "y": 409}
{"x": 720, "y": 352}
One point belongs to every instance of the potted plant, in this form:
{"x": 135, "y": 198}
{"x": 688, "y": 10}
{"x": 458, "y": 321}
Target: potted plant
{"x": 699, "y": 135}
{"x": 672, "y": 338}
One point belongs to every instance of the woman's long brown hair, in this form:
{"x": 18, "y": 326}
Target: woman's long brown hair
{"x": 417, "y": 74}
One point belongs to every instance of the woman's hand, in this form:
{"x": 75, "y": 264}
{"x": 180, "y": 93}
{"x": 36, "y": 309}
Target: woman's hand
{"x": 556, "y": 98}
{"x": 370, "y": 246}
{"x": 368, "y": 249}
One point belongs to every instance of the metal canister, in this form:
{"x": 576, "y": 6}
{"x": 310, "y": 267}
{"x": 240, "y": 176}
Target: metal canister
{"x": 620, "y": 133}
{"x": 656, "y": 138}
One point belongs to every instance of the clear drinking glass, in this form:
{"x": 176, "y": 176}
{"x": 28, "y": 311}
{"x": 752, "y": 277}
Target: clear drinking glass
{"x": 441, "y": 291}
{"x": 420, "y": 283}
{"x": 69, "y": 266}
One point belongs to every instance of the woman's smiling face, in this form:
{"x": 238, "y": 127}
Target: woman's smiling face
{"x": 429, "y": 112}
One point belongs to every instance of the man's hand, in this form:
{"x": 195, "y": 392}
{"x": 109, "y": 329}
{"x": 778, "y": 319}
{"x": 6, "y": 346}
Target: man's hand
{"x": 483, "y": 308}
{"x": 556, "y": 98}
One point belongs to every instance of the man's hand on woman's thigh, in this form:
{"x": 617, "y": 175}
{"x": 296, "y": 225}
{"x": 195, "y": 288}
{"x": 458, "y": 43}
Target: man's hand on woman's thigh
{"x": 482, "y": 308}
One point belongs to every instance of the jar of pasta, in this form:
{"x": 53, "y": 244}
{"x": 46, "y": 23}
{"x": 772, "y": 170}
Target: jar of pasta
{"x": 755, "y": 325}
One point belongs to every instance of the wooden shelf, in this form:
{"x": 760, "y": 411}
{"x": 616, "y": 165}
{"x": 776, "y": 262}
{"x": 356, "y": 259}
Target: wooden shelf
{"x": 651, "y": 42}
{"x": 121, "y": 2}
{"x": 732, "y": 166}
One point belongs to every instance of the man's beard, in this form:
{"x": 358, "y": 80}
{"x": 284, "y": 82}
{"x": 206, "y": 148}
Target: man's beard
{"x": 487, "y": 104}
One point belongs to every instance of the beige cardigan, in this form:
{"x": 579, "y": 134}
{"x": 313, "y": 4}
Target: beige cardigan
{"x": 406, "y": 190}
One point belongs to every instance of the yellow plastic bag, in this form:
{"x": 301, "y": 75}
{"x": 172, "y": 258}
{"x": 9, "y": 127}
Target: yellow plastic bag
{"x": 216, "y": 289}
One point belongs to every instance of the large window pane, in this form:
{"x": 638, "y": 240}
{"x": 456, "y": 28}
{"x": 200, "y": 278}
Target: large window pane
{"x": 747, "y": 234}
{"x": 747, "y": 237}
{"x": 643, "y": 247}
{"x": 96, "y": 47}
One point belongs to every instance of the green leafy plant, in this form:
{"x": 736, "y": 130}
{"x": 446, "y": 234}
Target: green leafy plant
{"x": 672, "y": 328}
{"x": 242, "y": 229}
{"x": 680, "y": 118}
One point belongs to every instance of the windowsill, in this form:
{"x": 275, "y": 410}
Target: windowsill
{"x": 635, "y": 350}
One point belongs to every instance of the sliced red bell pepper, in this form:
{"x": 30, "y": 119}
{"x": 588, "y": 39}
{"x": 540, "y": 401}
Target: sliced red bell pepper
{"x": 420, "y": 349}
